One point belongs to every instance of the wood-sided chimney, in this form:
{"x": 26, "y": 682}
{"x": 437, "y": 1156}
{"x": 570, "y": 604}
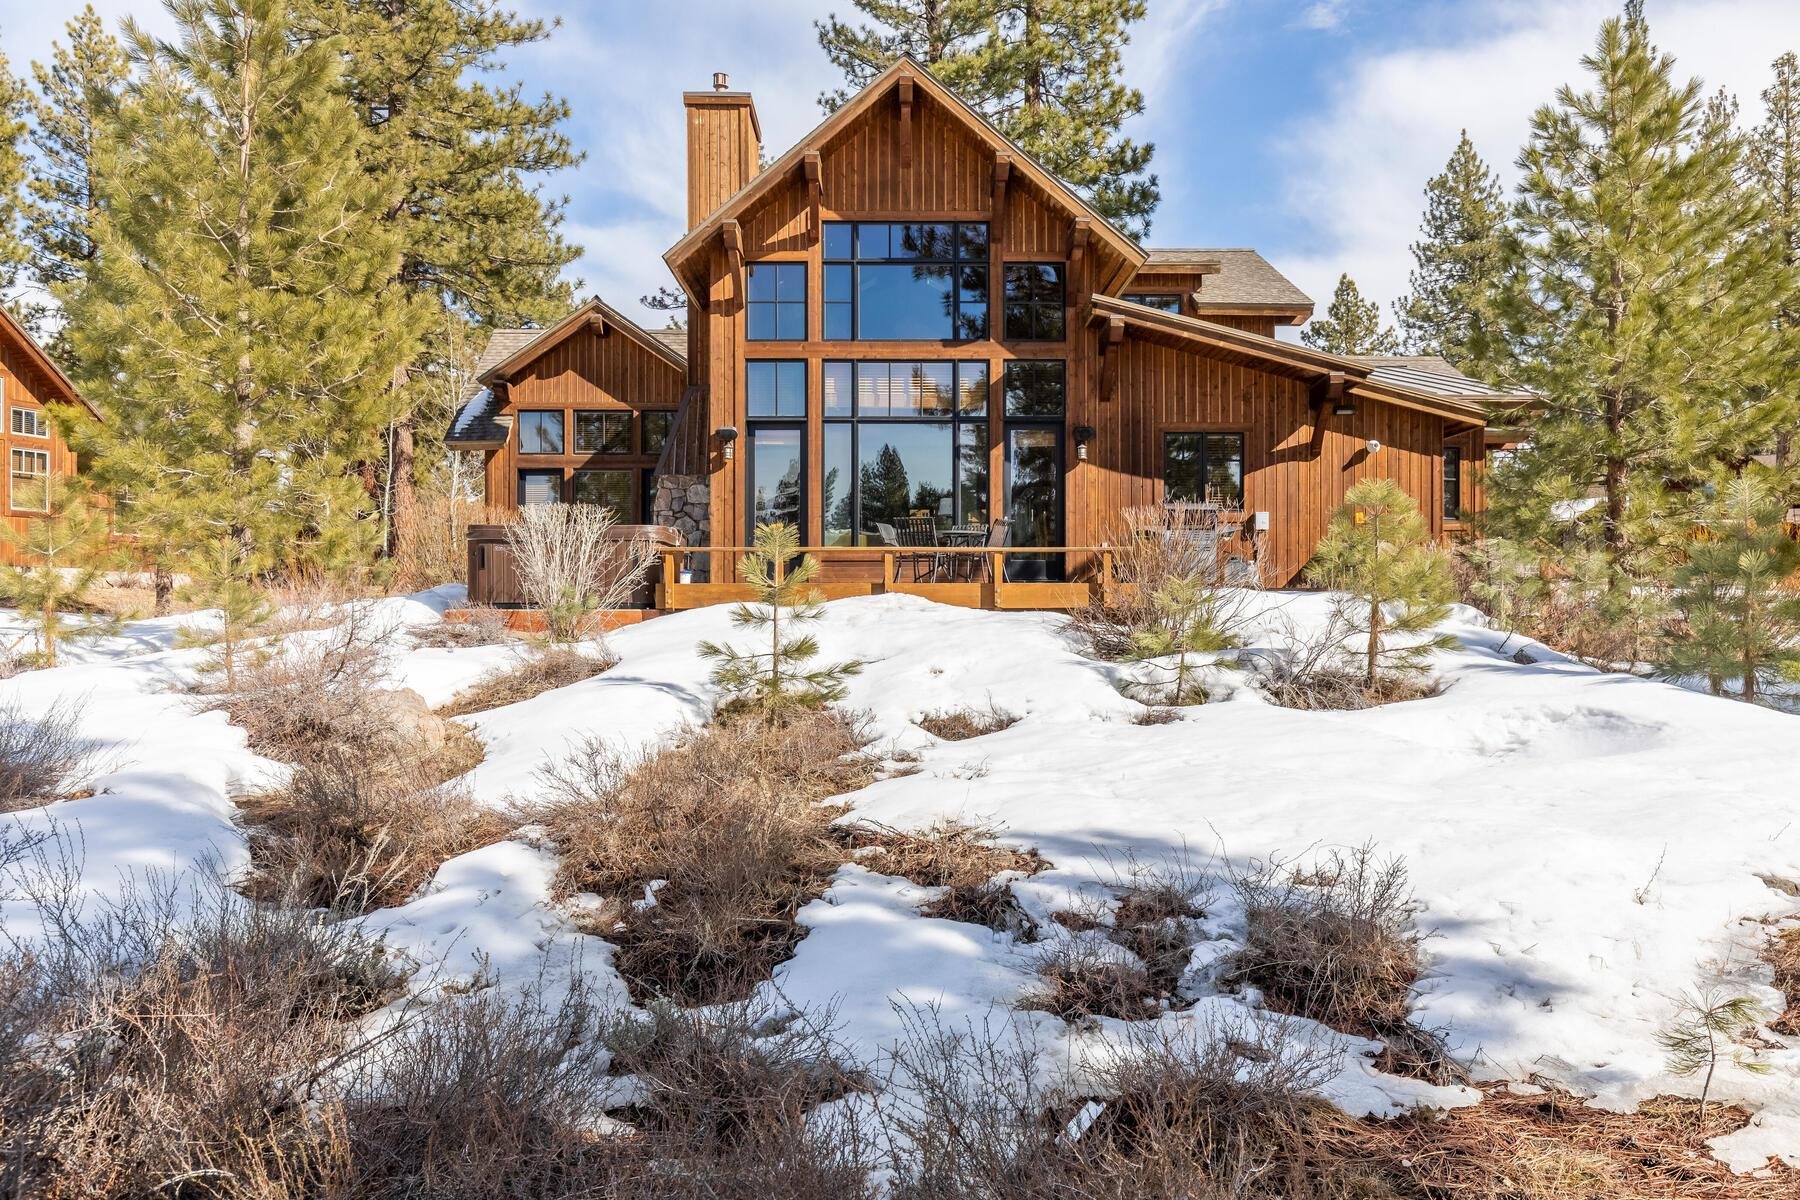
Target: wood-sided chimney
{"x": 724, "y": 141}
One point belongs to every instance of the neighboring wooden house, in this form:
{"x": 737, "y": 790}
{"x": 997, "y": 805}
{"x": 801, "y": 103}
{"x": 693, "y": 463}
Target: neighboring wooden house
{"x": 905, "y": 316}
{"x": 32, "y": 388}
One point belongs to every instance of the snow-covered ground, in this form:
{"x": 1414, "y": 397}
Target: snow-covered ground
{"x": 1584, "y": 847}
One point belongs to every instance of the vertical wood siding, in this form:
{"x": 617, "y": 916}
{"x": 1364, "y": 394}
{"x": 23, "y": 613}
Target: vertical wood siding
{"x": 26, "y": 386}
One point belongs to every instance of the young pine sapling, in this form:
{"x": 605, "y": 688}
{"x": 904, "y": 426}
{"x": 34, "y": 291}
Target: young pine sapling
{"x": 1703, "y": 1033}
{"x": 221, "y": 579}
{"x": 1193, "y": 622}
{"x": 778, "y": 680}
{"x": 63, "y": 553}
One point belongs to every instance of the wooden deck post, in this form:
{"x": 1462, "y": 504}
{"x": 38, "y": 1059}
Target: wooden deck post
{"x": 1106, "y": 577}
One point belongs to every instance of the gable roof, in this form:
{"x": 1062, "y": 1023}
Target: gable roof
{"x": 1241, "y": 278}
{"x": 60, "y": 383}
{"x": 766, "y": 179}
{"x": 1299, "y": 361}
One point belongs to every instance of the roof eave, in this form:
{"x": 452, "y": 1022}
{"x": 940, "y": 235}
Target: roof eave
{"x": 42, "y": 360}
{"x": 554, "y": 334}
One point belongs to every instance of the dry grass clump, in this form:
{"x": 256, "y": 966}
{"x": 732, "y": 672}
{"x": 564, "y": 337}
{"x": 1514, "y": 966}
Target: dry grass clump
{"x": 556, "y": 667}
{"x": 1783, "y": 953}
{"x": 960, "y": 724}
{"x": 483, "y": 626}
{"x": 732, "y": 819}
{"x": 44, "y": 758}
{"x": 1157, "y": 716}
{"x": 163, "y": 1049}
{"x": 350, "y": 838}
{"x": 1083, "y": 978}
{"x": 1313, "y": 670}
{"x": 1146, "y": 563}
{"x": 961, "y": 858}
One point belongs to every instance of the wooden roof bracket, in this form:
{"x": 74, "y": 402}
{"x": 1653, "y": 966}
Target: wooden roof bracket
{"x": 732, "y": 235}
{"x": 597, "y": 323}
{"x": 905, "y": 92}
{"x": 1081, "y": 233}
{"x": 1109, "y": 361}
{"x": 1002, "y": 173}
{"x": 814, "y": 172}
{"x": 1326, "y": 393}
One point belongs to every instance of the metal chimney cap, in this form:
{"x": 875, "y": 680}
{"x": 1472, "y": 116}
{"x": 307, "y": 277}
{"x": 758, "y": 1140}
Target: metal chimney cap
{"x": 721, "y": 81}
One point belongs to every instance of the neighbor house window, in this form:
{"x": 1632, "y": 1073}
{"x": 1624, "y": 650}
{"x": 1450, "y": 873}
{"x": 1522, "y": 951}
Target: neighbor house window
{"x": 540, "y": 487}
{"x": 540, "y": 433}
{"x": 31, "y": 480}
{"x": 656, "y": 426}
{"x": 603, "y": 433}
{"x": 1204, "y": 467}
{"x": 608, "y": 489}
{"x": 1452, "y": 483}
{"x": 918, "y": 281}
{"x": 29, "y": 422}
{"x": 1165, "y": 301}
{"x": 1034, "y": 302}
{"x": 775, "y": 389}
{"x": 902, "y": 439}
{"x": 776, "y": 310}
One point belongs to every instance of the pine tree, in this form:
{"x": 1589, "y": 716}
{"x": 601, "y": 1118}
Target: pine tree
{"x": 1774, "y": 170}
{"x": 1456, "y": 263}
{"x": 1047, "y": 73}
{"x": 1351, "y": 325}
{"x": 479, "y": 243}
{"x": 779, "y": 680}
{"x": 1704, "y": 1032}
{"x": 14, "y": 102}
{"x": 1736, "y": 593}
{"x": 1191, "y": 619}
{"x": 1394, "y": 580}
{"x": 62, "y": 555}
{"x": 76, "y": 94}
{"x": 239, "y": 326}
{"x": 222, "y": 579}
{"x": 1641, "y": 306}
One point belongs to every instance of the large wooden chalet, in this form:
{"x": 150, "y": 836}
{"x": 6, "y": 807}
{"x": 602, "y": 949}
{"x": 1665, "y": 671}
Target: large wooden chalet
{"x": 903, "y": 318}
{"x": 32, "y": 388}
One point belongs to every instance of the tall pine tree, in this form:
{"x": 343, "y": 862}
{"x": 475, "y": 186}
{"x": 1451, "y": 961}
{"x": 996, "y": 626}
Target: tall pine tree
{"x": 239, "y": 326}
{"x": 1456, "y": 263}
{"x": 1640, "y": 305}
{"x": 1047, "y": 73}
{"x": 14, "y": 101}
{"x": 479, "y": 242}
{"x": 1351, "y": 325}
{"x": 1774, "y": 162}
{"x": 76, "y": 94}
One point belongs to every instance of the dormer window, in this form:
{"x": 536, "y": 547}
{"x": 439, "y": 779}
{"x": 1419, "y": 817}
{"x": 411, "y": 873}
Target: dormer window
{"x": 912, "y": 281}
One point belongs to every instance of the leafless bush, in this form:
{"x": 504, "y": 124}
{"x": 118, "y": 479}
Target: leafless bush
{"x": 1313, "y": 670}
{"x": 1085, "y": 977}
{"x": 176, "y": 1043}
{"x": 732, "y": 818}
{"x": 1336, "y": 943}
{"x": 963, "y": 859}
{"x": 1144, "y": 563}
{"x": 556, "y": 667}
{"x": 1156, "y": 715}
{"x": 569, "y": 563}
{"x": 484, "y": 626}
{"x": 960, "y": 724}
{"x": 433, "y": 547}
{"x": 349, "y": 837}
{"x": 44, "y": 757}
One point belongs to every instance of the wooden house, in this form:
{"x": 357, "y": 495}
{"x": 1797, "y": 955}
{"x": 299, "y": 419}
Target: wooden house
{"x": 903, "y": 320}
{"x": 32, "y": 389}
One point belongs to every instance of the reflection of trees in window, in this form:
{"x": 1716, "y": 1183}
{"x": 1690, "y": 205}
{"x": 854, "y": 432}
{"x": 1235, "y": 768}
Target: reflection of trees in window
{"x": 884, "y": 486}
{"x": 918, "y": 280}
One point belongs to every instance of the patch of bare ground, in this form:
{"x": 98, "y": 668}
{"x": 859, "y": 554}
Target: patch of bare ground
{"x": 961, "y": 724}
{"x": 480, "y": 626}
{"x": 557, "y": 667}
{"x": 962, "y": 859}
{"x": 1783, "y": 954}
{"x": 705, "y": 850}
{"x": 44, "y": 758}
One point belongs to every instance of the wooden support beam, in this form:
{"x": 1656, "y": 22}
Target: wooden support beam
{"x": 905, "y": 92}
{"x": 1079, "y": 294}
{"x": 813, "y": 171}
{"x": 1002, "y": 173}
{"x": 1109, "y": 359}
{"x": 597, "y": 323}
{"x": 1325, "y": 394}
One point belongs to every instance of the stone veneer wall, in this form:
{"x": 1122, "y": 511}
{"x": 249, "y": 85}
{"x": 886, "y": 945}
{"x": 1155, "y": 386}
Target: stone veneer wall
{"x": 685, "y": 502}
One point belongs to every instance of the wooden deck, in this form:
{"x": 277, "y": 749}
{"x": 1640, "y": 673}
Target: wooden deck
{"x": 847, "y": 571}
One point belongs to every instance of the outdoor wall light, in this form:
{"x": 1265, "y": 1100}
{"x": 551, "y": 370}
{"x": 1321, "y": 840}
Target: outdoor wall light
{"x": 727, "y": 435}
{"x": 1344, "y": 410}
{"x": 1372, "y": 446}
{"x": 1083, "y": 435}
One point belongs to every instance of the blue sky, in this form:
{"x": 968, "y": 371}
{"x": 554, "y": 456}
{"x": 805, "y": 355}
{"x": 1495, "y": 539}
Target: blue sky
{"x": 1305, "y": 128}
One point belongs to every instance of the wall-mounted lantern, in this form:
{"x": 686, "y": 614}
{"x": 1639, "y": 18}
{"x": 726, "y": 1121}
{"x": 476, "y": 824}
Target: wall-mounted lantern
{"x": 727, "y": 435}
{"x": 1083, "y": 435}
{"x": 1343, "y": 408}
{"x": 1372, "y": 446}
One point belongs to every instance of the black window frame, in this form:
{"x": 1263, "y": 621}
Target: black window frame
{"x": 1146, "y": 298}
{"x": 1243, "y": 441}
{"x": 1037, "y": 310}
{"x": 651, "y": 418}
{"x": 958, "y": 419}
{"x": 848, "y": 256}
{"x": 1453, "y": 464}
{"x": 631, "y": 488}
{"x": 780, "y": 272}
{"x": 777, "y": 364}
{"x": 603, "y": 417}
{"x": 553, "y": 472}
{"x": 562, "y": 431}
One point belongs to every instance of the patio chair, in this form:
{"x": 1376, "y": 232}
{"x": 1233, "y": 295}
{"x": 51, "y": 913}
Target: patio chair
{"x": 921, "y": 532}
{"x": 983, "y": 567}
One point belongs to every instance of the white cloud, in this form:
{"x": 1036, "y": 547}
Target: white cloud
{"x": 1353, "y": 176}
{"x": 1326, "y": 14}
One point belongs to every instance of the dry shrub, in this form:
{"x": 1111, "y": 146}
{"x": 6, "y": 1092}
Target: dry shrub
{"x": 1082, "y": 978}
{"x": 1153, "y": 918}
{"x": 1312, "y": 670}
{"x": 1783, "y": 954}
{"x": 433, "y": 547}
{"x": 175, "y": 1045}
{"x": 963, "y": 859}
{"x": 960, "y": 724}
{"x": 732, "y": 818}
{"x": 44, "y": 758}
{"x": 569, "y": 563}
{"x": 1157, "y": 716}
{"x": 556, "y": 667}
{"x": 483, "y": 626}
{"x": 347, "y": 837}
{"x": 1144, "y": 565}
